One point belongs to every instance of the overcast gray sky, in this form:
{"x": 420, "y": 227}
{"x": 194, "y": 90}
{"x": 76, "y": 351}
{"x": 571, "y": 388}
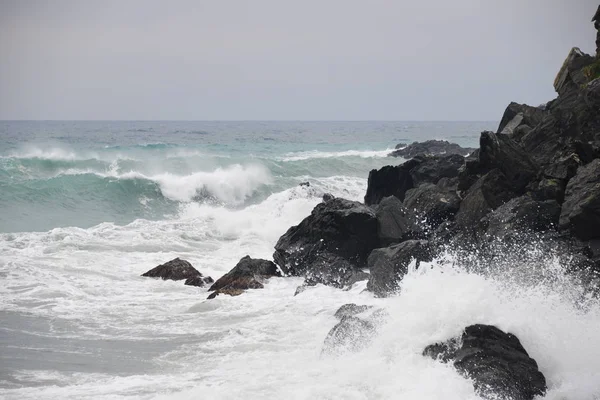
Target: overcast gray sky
{"x": 283, "y": 60}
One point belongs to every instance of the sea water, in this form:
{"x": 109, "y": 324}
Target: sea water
{"x": 86, "y": 207}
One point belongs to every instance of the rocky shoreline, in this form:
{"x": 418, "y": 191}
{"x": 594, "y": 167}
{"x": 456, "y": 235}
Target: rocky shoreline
{"x": 533, "y": 182}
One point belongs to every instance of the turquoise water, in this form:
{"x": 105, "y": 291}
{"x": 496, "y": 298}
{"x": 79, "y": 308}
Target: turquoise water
{"x": 55, "y": 174}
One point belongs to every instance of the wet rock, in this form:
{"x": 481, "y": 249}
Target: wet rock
{"x": 501, "y": 152}
{"x": 351, "y": 334}
{"x": 581, "y": 209}
{"x": 176, "y": 270}
{"x": 350, "y": 310}
{"x": 517, "y": 115}
{"x": 307, "y": 184}
{"x": 331, "y": 245}
{"x": 432, "y": 203}
{"x": 395, "y": 222}
{"x": 389, "y": 181}
{"x": 488, "y": 193}
{"x": 249, "y": 273}
{"x": 328, "y": 197}
{"x": 522, "y": 215}
{"x": 199, "y": 281}
{"x": 388, "y": 265}
{"x": 496, "y": 362}
{"x": 430, "y": 147}
{"x": 432, "y": 169}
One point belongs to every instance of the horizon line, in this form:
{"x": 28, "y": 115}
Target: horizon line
{"x": 246, "y": 120}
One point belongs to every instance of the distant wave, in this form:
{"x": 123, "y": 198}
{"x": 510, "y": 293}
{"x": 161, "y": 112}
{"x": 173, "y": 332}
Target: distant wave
{"x": 306, "y": 155}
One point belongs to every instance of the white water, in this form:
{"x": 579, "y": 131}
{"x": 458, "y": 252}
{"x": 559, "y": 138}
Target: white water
{"x": 266, "y": 343}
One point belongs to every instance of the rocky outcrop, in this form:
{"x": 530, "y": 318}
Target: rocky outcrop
{"x": 520, "y": 118}
{"x": 521, "y": 215}
{"x": 249, "y": 273}
{"x": 487, "y": 193}
{"x": 395, "y": 223}
{"x": 176, "y": 270}
{"x": 429, "y": 147}
{"x": 495, "y": 361}
{"x": 397, "y": 180}
{"x": 571, "y": 75}
{"x": 581, "y": 210}
{"x": 389, "y": 181}
{"x": 388, "y": 265}
{"x": 331, "y": 245}
{"x": 432, "y": 204}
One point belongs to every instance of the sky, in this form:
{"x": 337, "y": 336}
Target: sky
{"x": 405, "y": 60}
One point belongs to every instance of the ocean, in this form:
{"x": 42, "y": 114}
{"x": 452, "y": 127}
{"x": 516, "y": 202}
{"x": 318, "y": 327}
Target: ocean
{"x": 87, "y": 207}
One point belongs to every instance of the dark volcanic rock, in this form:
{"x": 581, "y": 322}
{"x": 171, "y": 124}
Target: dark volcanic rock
{"x": 430, "y": 147}
{"x": 249, "y": 273}
{"x": 581, "y": 209}
{"x": 397, "y": 180}
{"x": 199, "y": 281}
{"x": 331, "y": 244}
{"x": 350, "y": 310}
{"x": 517, "y": 115}
{"x": 176, "y": 270}
{"x": 432, "y": 169}
{"x": 496, "y": 362}
{"x": 389, "y": 181}
{"x": 388, "y": 265}
{"x": 571, "y": 75}
{"x": 500, "y": 151}
{"x": 351, "y": 334}
{"x": 395, "y": 222}
{"x": 434, "y": 204}
{"x": 488, "y": 193}
{"x": 522, "y": 215}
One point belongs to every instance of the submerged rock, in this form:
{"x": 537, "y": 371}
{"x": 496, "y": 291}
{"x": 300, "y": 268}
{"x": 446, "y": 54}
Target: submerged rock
{"x": 351, "y": 334}
{"x": 350, "y": 310}
{"x": 199, "y": 281}
{"x": 388, "y": 265}
{"x": 249, "y": 273}
{"x": 331, "y": 245}
{"x": 429, "y": 147}
{"x": 496, "y": 362}
{"x": 176, "y": 270}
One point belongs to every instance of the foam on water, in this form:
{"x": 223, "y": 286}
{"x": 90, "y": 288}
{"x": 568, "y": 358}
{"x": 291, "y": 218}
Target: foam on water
{"x": 78, "y": 322}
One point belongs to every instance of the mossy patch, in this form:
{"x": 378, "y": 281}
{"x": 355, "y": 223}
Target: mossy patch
{"x": 592, "y": 71}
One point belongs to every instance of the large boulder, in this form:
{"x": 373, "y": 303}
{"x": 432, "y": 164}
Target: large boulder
{"x": 351, "y": 310}
{"x": 517, "y": 115}
{"x": 331, "y": 245}
{"x": 395, "y": 223}
{"x": 249, "y": 273}
{"x": 388, "y": 265}
{"x": 351, "y": 334}
{"x": 495, "y": 361}
{"x": 522, "y": 215}
{"x": 432, "y": 169}
{"x": 397, "y": 180}
{"x": 432, "y": 203}
{"x": 429, "y": 147}
{"x": 176, "y": 270}
{"x": 581, "y": 209}
{"x": 487, "y": 193}
{"x": 572, "y": 75}
{"x": 389, "y": 181}
{"x": 500, "y": 151}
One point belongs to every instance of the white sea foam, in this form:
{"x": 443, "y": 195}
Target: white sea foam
{"x": 306, "y": 155}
